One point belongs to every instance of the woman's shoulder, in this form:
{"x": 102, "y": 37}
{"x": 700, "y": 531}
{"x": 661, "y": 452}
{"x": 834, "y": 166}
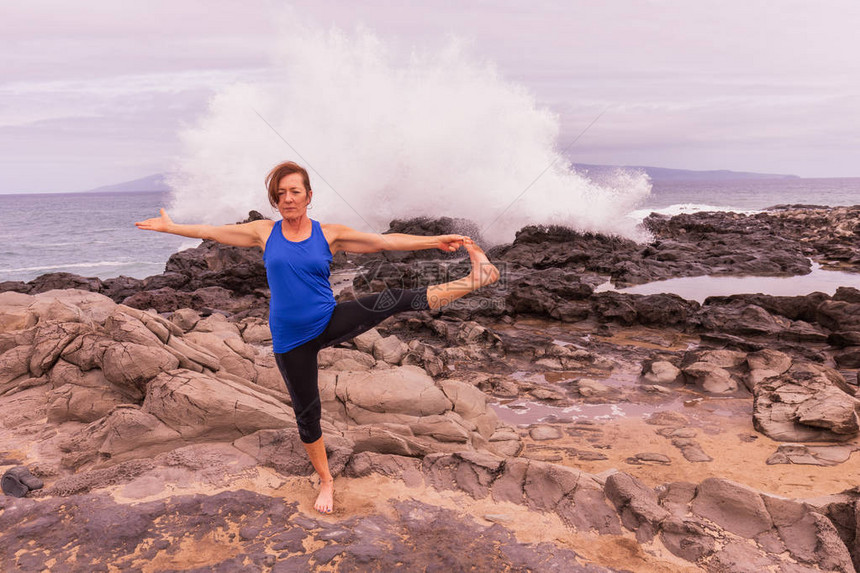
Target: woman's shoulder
{"x": 263, "y": 229}
{"x": 329, "y": 228}
{"x": 264, "y": 224}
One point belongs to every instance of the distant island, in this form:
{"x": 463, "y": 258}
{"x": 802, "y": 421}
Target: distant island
{"x": 157, "y": 182}
{"x": 666, "y": 174}
{"x": 150, "y": 183}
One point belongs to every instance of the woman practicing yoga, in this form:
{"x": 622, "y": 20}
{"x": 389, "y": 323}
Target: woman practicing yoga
{"x": 303, "y": 315}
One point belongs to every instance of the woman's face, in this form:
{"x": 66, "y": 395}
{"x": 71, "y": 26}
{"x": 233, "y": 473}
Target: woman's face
{"x": 293, "y": 198}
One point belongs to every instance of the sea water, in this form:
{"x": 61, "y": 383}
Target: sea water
{"x": 88, "y": 234}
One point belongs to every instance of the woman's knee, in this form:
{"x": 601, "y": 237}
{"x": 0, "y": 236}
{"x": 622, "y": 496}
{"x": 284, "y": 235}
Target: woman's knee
{"x": 310, "y": 432}
{"x": 308, "y": 422}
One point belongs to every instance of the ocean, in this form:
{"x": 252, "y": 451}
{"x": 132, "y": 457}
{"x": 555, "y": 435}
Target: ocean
{"x": 93, "y": 234}
{"x": 88, "y": 234}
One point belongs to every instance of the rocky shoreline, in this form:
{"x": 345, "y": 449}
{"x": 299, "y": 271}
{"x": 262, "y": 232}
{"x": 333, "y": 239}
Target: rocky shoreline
{"x": 635, "y": 432}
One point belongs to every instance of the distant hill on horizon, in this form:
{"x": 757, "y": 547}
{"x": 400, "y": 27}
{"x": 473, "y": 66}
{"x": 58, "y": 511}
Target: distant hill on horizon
{"x": 666, "y": 174}
{"x": 156, "y": 182}
{"x": 149, "y": 183}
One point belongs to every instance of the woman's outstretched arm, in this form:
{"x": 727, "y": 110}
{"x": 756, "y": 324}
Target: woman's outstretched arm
{"x": 342, "y": 238}
{"x": 253, "y": 234}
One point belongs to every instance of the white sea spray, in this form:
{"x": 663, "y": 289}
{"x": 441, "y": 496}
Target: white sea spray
{"x": 390, "y": 135}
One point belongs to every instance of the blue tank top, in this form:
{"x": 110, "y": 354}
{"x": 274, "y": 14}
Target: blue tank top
{"x": 302, "y": 300}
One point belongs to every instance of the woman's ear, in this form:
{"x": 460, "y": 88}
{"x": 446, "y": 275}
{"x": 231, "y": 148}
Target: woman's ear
{"x": 310, "y": 196}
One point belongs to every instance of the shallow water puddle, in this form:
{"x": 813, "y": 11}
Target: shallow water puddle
{"x": 527, "y": 412}
{"x": 699, "y": 288}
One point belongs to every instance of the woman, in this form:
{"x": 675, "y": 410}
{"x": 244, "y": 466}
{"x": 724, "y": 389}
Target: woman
{"x": 303, "y": 314}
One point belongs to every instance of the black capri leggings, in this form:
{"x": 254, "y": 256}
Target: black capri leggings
{"x": 349, "y": 319}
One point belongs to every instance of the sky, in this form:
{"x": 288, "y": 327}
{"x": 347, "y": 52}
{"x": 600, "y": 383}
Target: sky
{"x": 97, "y": 92}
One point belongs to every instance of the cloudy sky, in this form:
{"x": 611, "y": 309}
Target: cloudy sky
{"x": 96, "y": 92}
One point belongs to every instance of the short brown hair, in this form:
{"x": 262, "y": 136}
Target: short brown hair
{"x": 278, "y": 172}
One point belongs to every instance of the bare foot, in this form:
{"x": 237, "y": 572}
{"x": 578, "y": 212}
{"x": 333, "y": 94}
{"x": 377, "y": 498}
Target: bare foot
{"x": 483, "y": 271}
{"x": 325, "y": 500}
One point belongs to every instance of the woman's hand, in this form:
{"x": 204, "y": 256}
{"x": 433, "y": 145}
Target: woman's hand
{"x": 450, "y": 243}
{"x": 160, "y": 224}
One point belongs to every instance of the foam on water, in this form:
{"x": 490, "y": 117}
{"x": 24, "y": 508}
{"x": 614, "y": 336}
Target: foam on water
{"x": 385, "y": 135}
{"x": 681, "y": 208}
{"x": 93, "y": 265}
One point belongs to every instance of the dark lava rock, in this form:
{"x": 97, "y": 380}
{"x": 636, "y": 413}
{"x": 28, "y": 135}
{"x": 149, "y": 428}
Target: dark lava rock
{"x": 844, "y": 339}
{"x": 14, "y": 286}
{"x": 541, "y": 292}
{"x": 793, "y": 307}
{"x": 664, "y": 309}
{"x": 92, "y": 532}
{"x": 163, "y": 300}
{"x": 51, "y": 281}
{"x": 847, "y": 294}
{"x": 18, "y": 481}
{"x": 121, "y": 287}
{"x": 741, "y": 319}
{"x": 239, "y": 269}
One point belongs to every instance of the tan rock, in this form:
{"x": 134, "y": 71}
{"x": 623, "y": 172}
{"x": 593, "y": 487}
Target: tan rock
{"x": 194, "y": 353}
{"x": 86, "y": 351}
{"x": 403, "y": 390}
{"x": 588, "y": 387}
{"x": 94, "y": 306}
{"x": 24, "y": 406}
{"x": 765, "y": 364}
{"x": 123, "y": 327}
{"x": 199, "y": 405}
{"x": 71, "y": 402}
{"x": 13, "y": 311}
{"x": 282, "y": 450}
{"x": 269, "y": 377}
{"x": 130, "y": 366}
{"x": 185, "y": 318}
{"x": 126, "y": 433}
{"x": 328, "y": 357}
{"x": 9, "y": 340}
{"x": 389, "y": 349}
{"x": 721, "y": 358}
{"x": 710, "y": 378}
{"x": 808, "y": 403}
{"x": 384, "y": 441}
{"x": 159, "y": 326}
{"x": 52, "y": 309}
{"x": 471, "y": 404}
{"x": 258, "y": 334}
{"x": 364, "y": 342}
{"x": 662, "y": 372}
{"x": 833, "y": 409}
{"x": 239, "y": 346}
{"x": 550, "y": 363}
{"x": 543, "y": 432}
{"x": 14, "y": 364}
{"x": 50, "y": 340}
{"x": 732, "y": 506}
{"x": 238, "y": 366}
{"x": 444, "y": 428}
{"x": 217, "y": 323}
{"x": 65, "y": 372}
{"x": 470, "y": 331}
